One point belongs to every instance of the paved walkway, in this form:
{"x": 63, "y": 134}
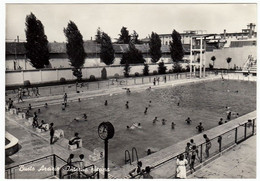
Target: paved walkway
{"x": 240, "y": 162}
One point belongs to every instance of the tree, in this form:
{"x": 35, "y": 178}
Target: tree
{"x": 176, "y": 48}
{"x": 36, "y": 43}
{"x": 213, "y": 58}
{"x": 155, "y": 47}
{"x": 146, "y": 69}
{"x": 127, "y": 69}
{"x": 132, "y": 56}
{"x": 162, "y": 68}
{"x": 107, "y": 52}
{"x": 228, "y": 61}
{"x": 75, "y": 48}
{"x": 177, "y": 68}
{"x": 124, "y": 37}
{"x": 135, "y": 39}
{"x": 98, "y": 36}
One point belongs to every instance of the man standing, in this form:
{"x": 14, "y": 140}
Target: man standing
{"x": 51, "y": 133}
{"x": 208, "y": 145}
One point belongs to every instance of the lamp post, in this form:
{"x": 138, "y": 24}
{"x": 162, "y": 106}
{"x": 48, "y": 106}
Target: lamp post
{"x": 106, "y": 131}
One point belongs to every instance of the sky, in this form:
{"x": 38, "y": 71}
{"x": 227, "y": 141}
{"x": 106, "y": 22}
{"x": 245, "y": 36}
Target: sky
{"x": 143, "y": 18}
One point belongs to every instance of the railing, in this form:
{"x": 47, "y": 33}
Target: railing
{"x": 219, "y": 144}
{"x": 105, "y": 84}
{"x": 75, "y": 171}
{"x": 43, "y": 167}
{"x": 48, "y": 166}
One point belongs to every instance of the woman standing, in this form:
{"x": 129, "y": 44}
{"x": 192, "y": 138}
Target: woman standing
{"x": 181, "y": 167}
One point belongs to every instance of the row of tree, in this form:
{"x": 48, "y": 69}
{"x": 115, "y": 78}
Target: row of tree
{"x": 38, "y": 52}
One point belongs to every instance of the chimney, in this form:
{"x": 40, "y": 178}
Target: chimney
{"x": 224, "y": 33}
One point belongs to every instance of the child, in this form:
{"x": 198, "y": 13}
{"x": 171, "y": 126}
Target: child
{"x": 145, "y": 112}
{"x": 200, "y": 128}
{"x": 188, "y": 120}
{"x": 155, "y": 119}
{"x": 194, "y": 153}
{"x": 126, "y": 105}
{"x": 163, "y": 121}
{"x": 173, "y": 125}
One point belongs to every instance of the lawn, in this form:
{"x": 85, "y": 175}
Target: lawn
{"x": 202, "y": 102}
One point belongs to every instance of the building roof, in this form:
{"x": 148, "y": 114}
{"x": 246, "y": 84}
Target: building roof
{"x": 90, "y": 47}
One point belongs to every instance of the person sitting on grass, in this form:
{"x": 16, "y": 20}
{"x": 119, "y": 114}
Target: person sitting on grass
{"x": 106, "y": 103}
{"x": 75, "y": 140}
{"x": 200, "y": 128}
{"x": 188, "y": 120}
{"x": 42, "y": 126}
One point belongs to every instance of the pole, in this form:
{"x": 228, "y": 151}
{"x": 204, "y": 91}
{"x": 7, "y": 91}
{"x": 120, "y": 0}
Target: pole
{"x": 200, "y": 57}
{"x": 190, "y": 56}
{"x": 106, "y": 159}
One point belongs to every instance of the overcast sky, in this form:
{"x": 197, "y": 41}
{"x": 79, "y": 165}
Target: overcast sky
{"x": 143, "y": 18}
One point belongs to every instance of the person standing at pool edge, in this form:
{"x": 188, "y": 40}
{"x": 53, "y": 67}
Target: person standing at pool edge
{"x": 51, "y": 133}
{"x": 208, "y": 145}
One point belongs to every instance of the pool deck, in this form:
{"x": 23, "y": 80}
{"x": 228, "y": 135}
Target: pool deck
{"x": 239, "y": 162}
{"x": 34, "y": 145}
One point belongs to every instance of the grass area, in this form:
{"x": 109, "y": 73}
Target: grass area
{"x": 202, "y": 102}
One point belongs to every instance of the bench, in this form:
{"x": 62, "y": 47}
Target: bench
{"x": 46, "y": 126}
{"x": 74, "y": 147}
{"x": 21, "y": 115}
{"x": 29, "y": 121}
{"x": 59, "y": 133}
{"x": 13, "y": 111}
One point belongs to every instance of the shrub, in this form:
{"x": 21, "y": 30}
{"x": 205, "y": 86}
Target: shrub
{"x": 136, "y": 74}
{"x": 104, "y": 73}
{"x": 127, "y": 70}
{"x": 27, "y": 83}
{"x": 177, "y": 68}
{"x": 155, "y": 72}
{"x": 210, "y": 66}
{"x": 146, "y": 69}
{"x": 170, "y": 71}
{"x": 92, "y": 78}
{"x": 116, "y": 76}
{"x": 62, "y": 80}
{"x": 162, "y": 68}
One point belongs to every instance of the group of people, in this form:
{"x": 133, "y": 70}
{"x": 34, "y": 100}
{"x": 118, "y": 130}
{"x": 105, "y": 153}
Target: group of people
{"x": 158, "y": 80}
{"x": 190, "y": 156}
{"x": 141, "y": 173}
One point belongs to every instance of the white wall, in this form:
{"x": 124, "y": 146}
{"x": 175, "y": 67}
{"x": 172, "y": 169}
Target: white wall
{"x": 50, "y": 75}
{"x": 238, "y": 54}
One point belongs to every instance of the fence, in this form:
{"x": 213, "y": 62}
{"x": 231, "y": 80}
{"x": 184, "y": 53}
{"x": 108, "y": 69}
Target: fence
{"x": 43, "y": 167}
{"x": 47, "y": 167}
{"x": 106, "y": 84}
{"x": 219, "y": 144}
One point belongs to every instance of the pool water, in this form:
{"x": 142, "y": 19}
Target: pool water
{"x": 202, "y": 102}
